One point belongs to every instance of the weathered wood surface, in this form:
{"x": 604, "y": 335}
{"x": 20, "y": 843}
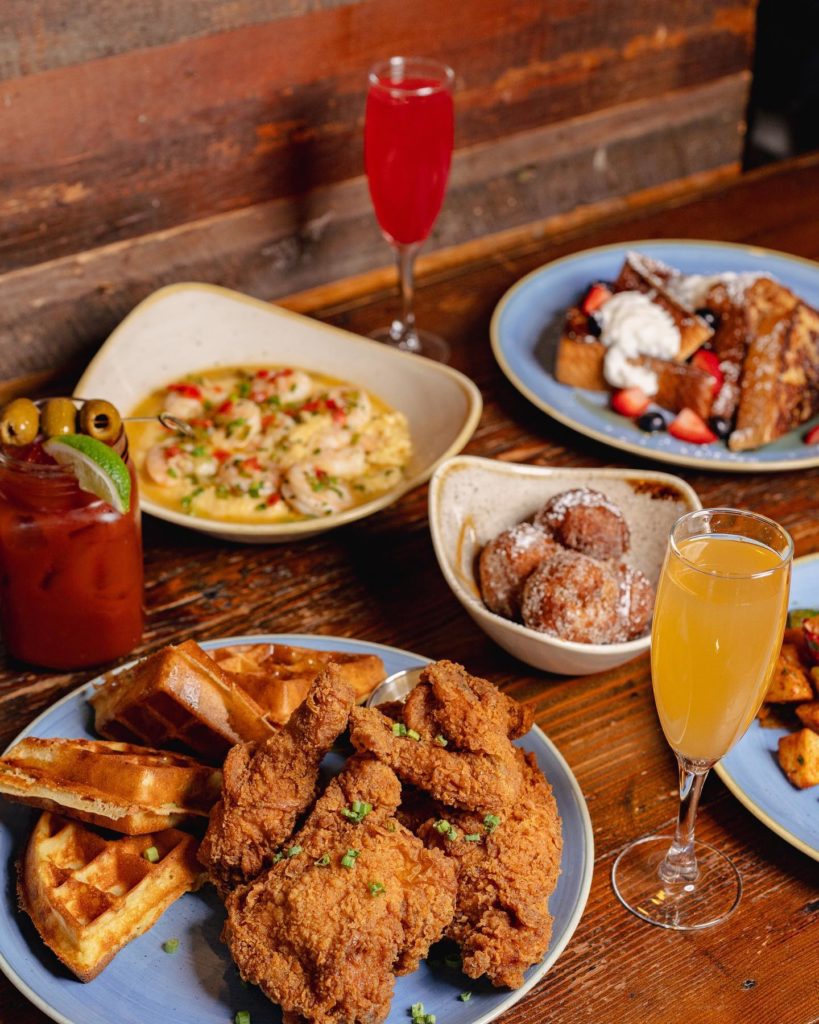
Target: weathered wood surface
{"x": 123, "y": 120}
{"x": 378, "y": 580}
{"x": 60, "y": 311}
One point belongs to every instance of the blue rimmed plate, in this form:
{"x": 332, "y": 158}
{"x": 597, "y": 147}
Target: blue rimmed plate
{"x": 198, "y": 984}
{"x": 751, "y": 770}
{"x": 526, "y": 327}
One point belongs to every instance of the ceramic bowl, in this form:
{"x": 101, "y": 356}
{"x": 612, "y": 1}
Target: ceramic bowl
{"x": 471, "y": 500}
{"x": 189, "y": 327}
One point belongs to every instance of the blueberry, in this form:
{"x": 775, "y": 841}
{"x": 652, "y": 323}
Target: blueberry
{"x": 721, "y": 426}
{"x": 593, "y": 326}
{"x": 651, "y": 422}
{"x": 709, "y": 316}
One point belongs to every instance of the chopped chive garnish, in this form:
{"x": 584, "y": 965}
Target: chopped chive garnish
{"x": 413, "y": 735}
{"x": 399, "y": 729}
{"x": 357, "y": 812}
{"x": 323, "y": 861}
{"x": 446, "y": 829}
{"x": 294, "y": 851}
{"x": 151, "y": 854}
{"x": 242, "y": 1017}
{"x": 442, "y": 741}
{"x": 349, "y": 858}
{"x": 465, "y": 997}
{"x": 473, "y": 837}
{"x": 491, "y": 822}
{"x": 376, "y": 888}
{"x": 417, "y": 1010}
{"x": 277, "y": 857}
{"x": 170, "y": 945}
{"x": 391, "y": 826}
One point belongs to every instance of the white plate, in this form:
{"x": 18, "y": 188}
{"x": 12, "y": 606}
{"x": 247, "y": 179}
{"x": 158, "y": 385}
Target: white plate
{"x": 198, "y": 984}
{"x": 185, "y": 328}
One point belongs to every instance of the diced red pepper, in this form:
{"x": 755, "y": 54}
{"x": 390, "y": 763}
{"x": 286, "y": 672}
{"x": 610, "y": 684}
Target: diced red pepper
{"x": 313, "y": 406}
{"x": 273, "y": 499}
{"x": 188, "y": 390}
{"x": 263, "y": 373}
{"x": 221, "y": 455}
{"x": 252, "y": 463}
{"x": 225, "y": 408}
{"x": 172, "y": 451}
{"x": 200, "y": 423}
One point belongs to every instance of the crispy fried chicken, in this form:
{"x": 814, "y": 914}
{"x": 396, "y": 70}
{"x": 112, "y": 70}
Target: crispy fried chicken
{"x": 355, "y": 900}
{"x": 462, "y": 755}
{"x": 268, "y": 784}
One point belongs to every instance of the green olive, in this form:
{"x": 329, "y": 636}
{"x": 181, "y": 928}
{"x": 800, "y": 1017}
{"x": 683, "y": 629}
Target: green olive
{"x": 101, "y": 420}
{"x": 19, "y": 422}
{"x": 59, "y": 416}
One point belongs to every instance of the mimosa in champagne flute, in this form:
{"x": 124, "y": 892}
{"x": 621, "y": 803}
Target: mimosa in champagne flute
{"x": 718, "y": 623}
{"x": 408, "y": 133}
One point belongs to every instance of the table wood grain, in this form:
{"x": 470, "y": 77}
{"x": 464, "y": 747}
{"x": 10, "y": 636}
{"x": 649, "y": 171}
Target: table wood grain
{"x": 378, "y": 580}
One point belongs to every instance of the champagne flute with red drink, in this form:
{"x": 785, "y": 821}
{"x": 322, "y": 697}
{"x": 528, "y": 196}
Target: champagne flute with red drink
{"x": 408, "y": 133}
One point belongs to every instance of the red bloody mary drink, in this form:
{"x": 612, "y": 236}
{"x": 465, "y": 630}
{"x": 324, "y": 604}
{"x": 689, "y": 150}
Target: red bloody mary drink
{"x": 70, "y": 564}
{"x": 408, "y": 138}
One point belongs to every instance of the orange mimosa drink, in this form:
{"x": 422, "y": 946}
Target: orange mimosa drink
{"x": 718, "y": 622}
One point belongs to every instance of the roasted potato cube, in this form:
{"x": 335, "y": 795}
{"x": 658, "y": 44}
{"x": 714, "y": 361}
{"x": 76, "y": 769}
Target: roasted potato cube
{"x": 790, "y": 681}
{"x": 809, "y": 714}
{"x": 799, "y": 757}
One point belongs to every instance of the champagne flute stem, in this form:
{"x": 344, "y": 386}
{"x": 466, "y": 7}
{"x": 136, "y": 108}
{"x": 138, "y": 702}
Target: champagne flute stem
{"x": 402, "y": 332}
{"x": 680, "y": 864}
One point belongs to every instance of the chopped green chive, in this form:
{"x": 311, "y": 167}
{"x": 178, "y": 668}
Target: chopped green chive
{"x": 413, "y": 735}
{"x": 323, "y": 861}
{"x": 151, "y": 854}
{"x": 357, "y": 812}
{"x": 442, "y": 741}
{"x": 491, "y": 822}
{"x": 349, "y": 858}
{"x": 170, "y": 945}
{"x": 376, "y": 888}
{"x": 242, "y": 1017}
{"x": 473, "y": 837}
{"x": 446, "y": 829}
{"x": 277, "y": 857}
{"x": 294, "y": 851}
{"x": 418, "y": 1015}
{"x": 391, "y": 826}
{"x": 465, "y": 997}
{"x": 399, "y": 729}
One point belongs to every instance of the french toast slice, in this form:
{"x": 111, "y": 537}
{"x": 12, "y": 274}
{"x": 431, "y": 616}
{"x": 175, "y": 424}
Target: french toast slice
{"x": 641, "y": 273}
{"x": 122, "y": 787}
{"x": 179, "y": 698}
{"x": 278, "y": 676}
{"x": 779, "y": 388}
{"x": 89, "y": 895}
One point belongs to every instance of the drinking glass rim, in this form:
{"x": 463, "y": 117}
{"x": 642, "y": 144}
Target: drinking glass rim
{"x": 376, "y": 76}
{"x": 784, "y": 559}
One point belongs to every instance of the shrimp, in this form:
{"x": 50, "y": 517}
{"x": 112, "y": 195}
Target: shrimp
{"x": 355, "y": 405}
{"x": 184, "y": 407}
{"x": 292, "y": 386}
{"x": 310, "y": 489}
{"x": 244, "y": 425}
{"x": 246, "y": 475}
{"x": 166, "y": 463}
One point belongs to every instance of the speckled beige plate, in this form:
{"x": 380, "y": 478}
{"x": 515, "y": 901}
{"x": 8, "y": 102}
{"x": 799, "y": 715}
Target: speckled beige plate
{"x": 471, "y": 500}
{"x": 185, "y": 328}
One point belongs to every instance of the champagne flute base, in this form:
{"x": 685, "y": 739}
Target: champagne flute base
{"x": 703, "y": 902}
{"x": 420, "y": 343}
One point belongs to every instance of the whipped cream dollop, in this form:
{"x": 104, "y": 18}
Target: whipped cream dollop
{"x": 631, "y": 325}
{"x": 692, "y": 290}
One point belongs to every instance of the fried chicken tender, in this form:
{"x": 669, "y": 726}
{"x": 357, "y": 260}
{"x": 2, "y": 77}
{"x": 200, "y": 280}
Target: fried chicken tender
{"x": 463, "y": 756}
{"x": 267, "y": 785}
{"x": 506, "y": 874}
{"x": 355, "y": 900}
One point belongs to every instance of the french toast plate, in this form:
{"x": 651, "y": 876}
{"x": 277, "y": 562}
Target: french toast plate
{"x": 526, "y": 327}
{"x": 751, "y": 770}
{"x": 187, "y": 328}
{"x": 198, "y": 984}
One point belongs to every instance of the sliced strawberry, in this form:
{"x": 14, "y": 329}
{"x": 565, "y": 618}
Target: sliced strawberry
{"x": 705, "y": 359}
{"x": 689, "y": 426}
{"x": 812, "y": 436}
{"x": 630, "y": 402}
{"x": 595, "y": 297}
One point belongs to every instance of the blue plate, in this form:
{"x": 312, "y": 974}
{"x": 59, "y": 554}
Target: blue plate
{"x": 751, "y": 770}
{"x": 526, "y": 327}
{"x": 199, "y": 984}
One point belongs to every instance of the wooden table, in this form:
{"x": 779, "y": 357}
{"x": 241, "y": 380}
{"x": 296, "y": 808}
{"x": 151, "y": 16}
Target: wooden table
{"x": 378, "y": 580}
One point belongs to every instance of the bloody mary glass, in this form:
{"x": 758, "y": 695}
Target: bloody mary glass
{"x": 70, "y": 565}
{"x": 408, "y": 134}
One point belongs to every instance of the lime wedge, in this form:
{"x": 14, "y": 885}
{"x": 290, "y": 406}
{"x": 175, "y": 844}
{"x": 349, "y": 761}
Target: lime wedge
{"x": 98, "y": 468}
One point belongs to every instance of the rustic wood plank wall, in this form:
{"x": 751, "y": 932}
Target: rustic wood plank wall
{"x": 221, "y": 139}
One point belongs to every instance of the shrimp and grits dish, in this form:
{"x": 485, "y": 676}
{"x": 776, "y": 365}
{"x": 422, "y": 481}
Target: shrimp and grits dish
{"x": 267, "y": 444}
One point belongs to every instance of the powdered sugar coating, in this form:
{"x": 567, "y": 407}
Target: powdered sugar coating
{"x": 575, "y": 598}
{"x": 636, "y": 601}
{"x": 507, "y": 561}
{"x": 586, "y": 521}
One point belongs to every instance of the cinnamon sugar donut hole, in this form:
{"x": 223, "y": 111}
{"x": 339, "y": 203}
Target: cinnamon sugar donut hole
{"x": 506, "y": 562}
{"x": 586, "y": 521}
{"x": 574, "y": 597}
{"x": 636, "y": 601}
